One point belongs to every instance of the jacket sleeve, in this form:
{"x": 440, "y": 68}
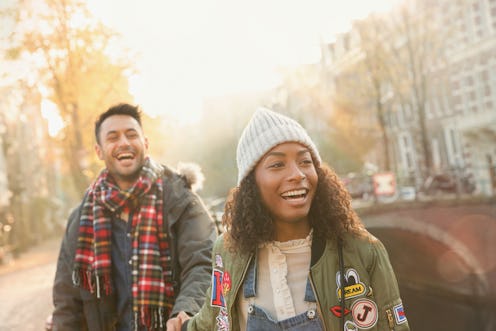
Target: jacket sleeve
{"x": 386, "y": 291}
{"x": 204, "y": 320}
{"x": 195, "y": 234}
{"x": 68, "y": 313}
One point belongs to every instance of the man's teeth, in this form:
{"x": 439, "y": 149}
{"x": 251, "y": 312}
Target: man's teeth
{"x": 294, "y": 193}
{"x": 125, "y": 156}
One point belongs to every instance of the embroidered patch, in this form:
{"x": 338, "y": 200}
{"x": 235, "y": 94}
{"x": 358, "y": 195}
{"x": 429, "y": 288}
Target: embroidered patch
{"x": 399, "y": 314}
{"x": 222, "y": 320}
{"x": 364, "y": 312}
{"x": 336, "y": 310}
{"x": 350, "y": 326}
{"x": 218, "y": 261}
{"x": 352, "y": 286}
{"x": 217, "y": 297}
{"x": 226, "y": 283}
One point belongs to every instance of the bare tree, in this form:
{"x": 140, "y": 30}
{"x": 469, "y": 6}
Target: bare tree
{"x": 415, "y": 43}
{"x": 378, "y": 72}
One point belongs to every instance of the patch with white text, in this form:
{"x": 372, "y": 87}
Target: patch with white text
{"x": 365, "y": 313}
{"x": 352, "y": 285}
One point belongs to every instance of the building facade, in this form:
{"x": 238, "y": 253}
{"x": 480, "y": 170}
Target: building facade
{"x": 457, "y": 98}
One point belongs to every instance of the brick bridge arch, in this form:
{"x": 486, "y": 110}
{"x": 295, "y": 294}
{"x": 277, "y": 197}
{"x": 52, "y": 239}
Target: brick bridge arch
{"x": 444, "y": 256}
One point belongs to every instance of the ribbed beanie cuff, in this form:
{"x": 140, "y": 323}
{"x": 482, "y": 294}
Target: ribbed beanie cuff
{"x": 265, "y": 130}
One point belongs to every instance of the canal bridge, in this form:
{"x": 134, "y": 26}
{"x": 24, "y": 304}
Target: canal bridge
{"x": 444, "y": 256}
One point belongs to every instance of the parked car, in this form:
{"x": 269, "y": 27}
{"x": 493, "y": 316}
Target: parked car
{"x": 447, "y": 183}
{"x": 358, "y": 186}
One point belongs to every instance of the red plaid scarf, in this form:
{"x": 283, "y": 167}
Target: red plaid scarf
{"x": 152, "y": 289}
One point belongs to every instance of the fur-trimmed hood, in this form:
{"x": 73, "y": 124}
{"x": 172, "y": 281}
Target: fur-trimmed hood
{"x": 192, "y": 174}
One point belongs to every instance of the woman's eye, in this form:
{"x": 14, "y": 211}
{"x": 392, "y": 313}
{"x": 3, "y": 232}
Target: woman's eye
{"x": 276, "y": 165}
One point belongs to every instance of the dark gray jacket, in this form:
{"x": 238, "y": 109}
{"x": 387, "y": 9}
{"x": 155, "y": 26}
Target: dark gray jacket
{"x": 192, "y": 234}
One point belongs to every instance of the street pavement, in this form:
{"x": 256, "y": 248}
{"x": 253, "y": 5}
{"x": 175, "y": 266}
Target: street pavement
{"x": 26, "y": 288}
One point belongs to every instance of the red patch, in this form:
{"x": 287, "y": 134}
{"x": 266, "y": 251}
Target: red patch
{"x": 226, "y": 282}
{"x": 336, "y": 310}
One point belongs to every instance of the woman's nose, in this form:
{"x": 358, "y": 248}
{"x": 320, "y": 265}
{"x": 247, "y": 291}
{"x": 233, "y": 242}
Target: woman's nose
{"x": 297, "y": 173}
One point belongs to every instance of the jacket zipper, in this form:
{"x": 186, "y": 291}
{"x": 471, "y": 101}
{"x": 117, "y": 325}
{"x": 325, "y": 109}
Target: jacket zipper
{"x": 238, "y": 286}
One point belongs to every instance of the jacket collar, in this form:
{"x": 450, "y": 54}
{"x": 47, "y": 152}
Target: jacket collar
{"x": 318, "y": 247}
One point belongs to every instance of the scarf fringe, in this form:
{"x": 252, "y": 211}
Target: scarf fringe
{"x": 153, "y": 318}
{"x": 91, "y": 282}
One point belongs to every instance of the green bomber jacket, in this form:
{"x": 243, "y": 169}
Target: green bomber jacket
{"x": 372, "y": 298}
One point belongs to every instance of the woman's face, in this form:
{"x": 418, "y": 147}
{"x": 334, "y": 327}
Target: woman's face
{"x": 287, "y": 180}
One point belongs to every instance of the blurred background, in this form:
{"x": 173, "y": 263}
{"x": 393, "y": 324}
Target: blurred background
{"x": 400, "y": 97}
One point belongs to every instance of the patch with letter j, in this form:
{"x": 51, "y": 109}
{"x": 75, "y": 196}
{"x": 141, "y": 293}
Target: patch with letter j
{"x": 365, "y": 313}
{"x": 399, "y": 314}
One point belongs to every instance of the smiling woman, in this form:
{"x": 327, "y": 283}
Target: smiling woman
{"x": 291, "y": 231}
{"x": 192, "y": 49}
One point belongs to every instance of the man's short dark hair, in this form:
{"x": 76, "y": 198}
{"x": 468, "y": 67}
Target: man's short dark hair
{"x": 119, "y": 109}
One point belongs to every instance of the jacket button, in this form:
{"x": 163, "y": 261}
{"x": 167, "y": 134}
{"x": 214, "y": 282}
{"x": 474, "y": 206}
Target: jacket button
{"x": 130, "y": 262}
{"x": 311, "y": 314}
{"x": 250, "y": 309}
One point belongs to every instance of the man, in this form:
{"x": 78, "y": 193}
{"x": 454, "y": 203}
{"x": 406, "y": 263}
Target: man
{"x": 137, "y": 251}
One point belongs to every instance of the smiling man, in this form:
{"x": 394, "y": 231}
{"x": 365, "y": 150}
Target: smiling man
{"x": 137, "y": 250}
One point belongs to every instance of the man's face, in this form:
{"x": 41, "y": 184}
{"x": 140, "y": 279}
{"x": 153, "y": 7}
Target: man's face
{"x": 122, "y": 147}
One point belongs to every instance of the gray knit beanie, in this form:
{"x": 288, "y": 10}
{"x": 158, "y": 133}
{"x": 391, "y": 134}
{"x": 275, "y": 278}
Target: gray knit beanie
{"x": 265, "y": 130}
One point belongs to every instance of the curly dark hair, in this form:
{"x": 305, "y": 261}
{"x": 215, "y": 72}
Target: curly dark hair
{"x": 248, "y": 222}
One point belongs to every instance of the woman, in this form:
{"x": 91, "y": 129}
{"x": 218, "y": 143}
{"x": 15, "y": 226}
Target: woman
{"x": 294, "y": 256}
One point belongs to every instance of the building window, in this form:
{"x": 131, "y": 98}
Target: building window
{"x": 470, "y": 81}
{"x": 407, "y": 153}
{"x": 457, "y": 100}
{"x": 453, "y": 146}
{"x": 485, "y": 75}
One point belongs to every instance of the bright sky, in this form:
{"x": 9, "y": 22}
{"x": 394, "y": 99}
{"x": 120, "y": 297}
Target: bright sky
{"x": 190, "y": 49}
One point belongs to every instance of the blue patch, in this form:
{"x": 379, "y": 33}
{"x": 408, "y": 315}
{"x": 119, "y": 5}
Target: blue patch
{"x": 217, "y": 298}
{"x": 399, "y": 314}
